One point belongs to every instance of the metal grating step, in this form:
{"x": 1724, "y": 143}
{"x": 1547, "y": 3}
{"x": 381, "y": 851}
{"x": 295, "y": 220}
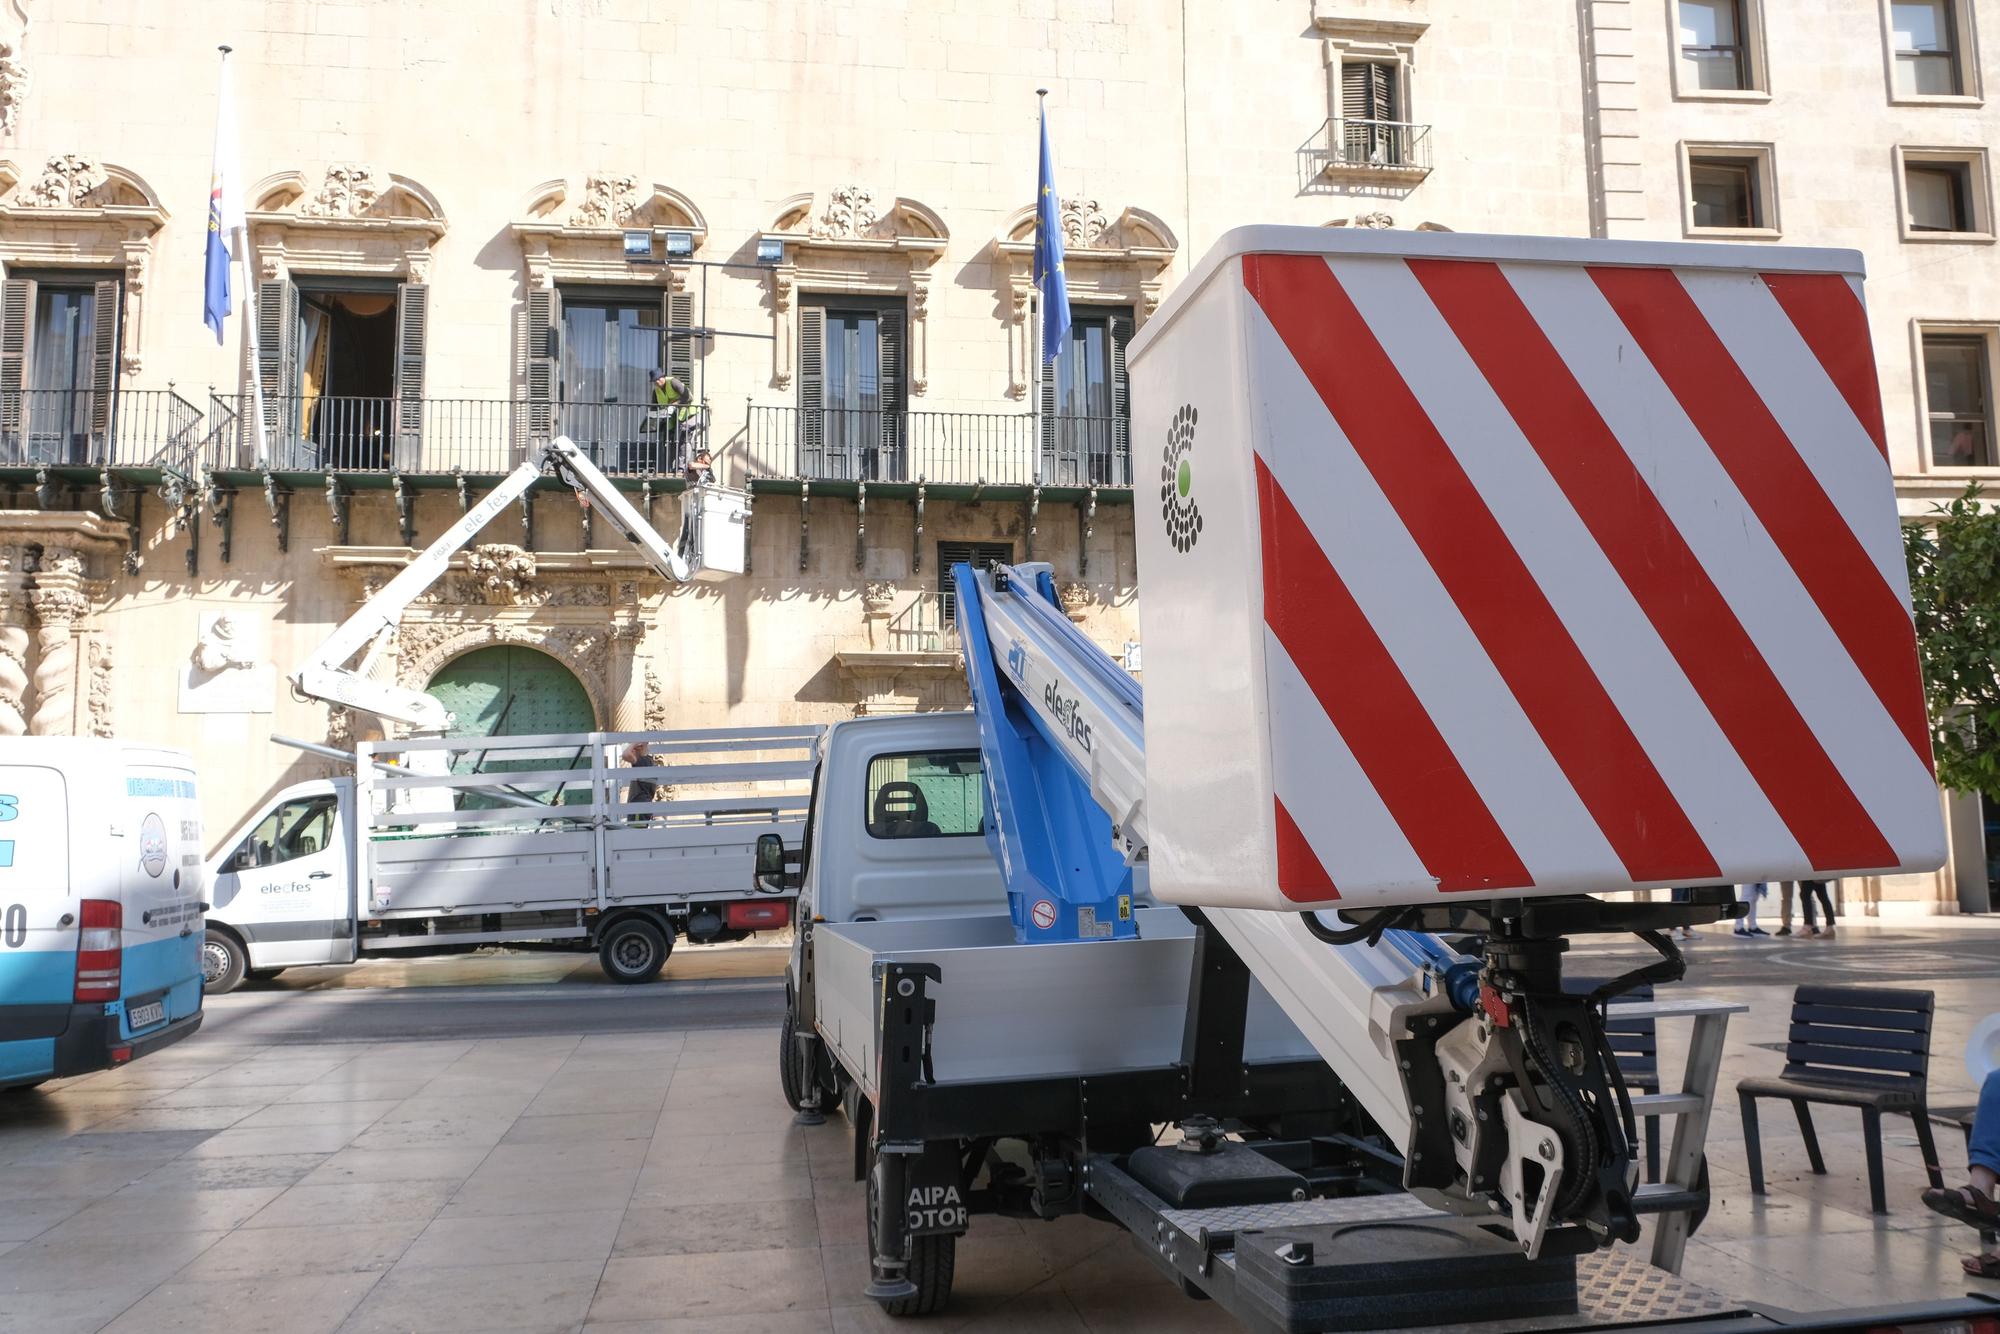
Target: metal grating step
{"x": 1230, "y": 1219}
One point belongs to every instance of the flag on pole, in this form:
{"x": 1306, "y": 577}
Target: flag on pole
{"x": 225, "y": 211}
{"x": 1048, "y": 270}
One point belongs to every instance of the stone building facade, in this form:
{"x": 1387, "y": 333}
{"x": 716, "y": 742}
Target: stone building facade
{"x": 836, "y": 197}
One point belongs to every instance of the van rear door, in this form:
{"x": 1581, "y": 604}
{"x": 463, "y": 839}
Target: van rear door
{"x": 38, "y": 926}
{"x": 161, "y": 872}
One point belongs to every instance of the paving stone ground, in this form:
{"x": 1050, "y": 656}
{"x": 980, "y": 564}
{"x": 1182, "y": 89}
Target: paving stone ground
{"x": 655, "y": 1182}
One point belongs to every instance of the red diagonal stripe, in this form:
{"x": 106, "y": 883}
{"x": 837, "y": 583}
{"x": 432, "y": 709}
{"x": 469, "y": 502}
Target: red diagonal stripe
{"x": 1668, "y": 582}
{"x": 1486, "y": 578}
{"x": 1857, "y": 602}
{"x": 1373, "y": 708}
{"x": 1302, "y": 877}
{"x": 1829, "y": 316}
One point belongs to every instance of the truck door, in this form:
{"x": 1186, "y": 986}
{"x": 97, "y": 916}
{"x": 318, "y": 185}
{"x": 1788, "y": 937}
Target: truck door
{"x": 285, "y": 886}
{"x": 160, "y": 875}
{"x": 37, "y": 921}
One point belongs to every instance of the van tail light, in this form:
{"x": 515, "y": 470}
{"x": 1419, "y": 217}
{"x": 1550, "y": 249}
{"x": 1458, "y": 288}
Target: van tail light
{"x": 100, "y": 946}
{"x": 751, "y": 915}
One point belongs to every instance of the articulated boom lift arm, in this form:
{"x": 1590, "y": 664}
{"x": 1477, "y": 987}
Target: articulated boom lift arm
{"x": 1497, "y": 1110}
{"x": 325, "y": 675}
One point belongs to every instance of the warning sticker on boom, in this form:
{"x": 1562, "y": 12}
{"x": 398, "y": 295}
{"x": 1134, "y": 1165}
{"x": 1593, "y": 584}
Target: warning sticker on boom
{"x": 1044, "y": 913}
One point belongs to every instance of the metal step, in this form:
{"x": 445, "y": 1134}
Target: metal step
{"x": 1665, "y": 1104}
{"x": 1227, "y": 1220}
{"x": 1662, "y": 1197}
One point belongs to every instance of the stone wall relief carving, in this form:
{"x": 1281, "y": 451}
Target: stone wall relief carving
{"x": 60, "y": 605}
{"x": 849, "y": 214}
{"x": 358, "y": 220}
{"x": 608, "y": 201}
{"x": 14, "y": 639}
{"x": 226, "y": 672}
{"x": 103, "y": 720}
{"x": 348, "y": 191}
{"x": 14, "y": 78}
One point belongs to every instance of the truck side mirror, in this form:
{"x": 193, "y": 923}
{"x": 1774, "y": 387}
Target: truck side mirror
{"x": 770, "y": 872}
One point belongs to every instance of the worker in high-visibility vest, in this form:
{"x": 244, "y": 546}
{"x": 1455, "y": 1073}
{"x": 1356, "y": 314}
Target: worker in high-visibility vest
{"x": 671, "y": 397}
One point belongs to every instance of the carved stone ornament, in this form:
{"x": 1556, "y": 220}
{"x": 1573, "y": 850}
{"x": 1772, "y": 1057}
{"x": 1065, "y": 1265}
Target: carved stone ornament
{"x": 502, "y": 571}
{"x": 608, "y": 201}
{"x": 1378, "y": 221}
{"x": 1083, "y": 224}
{"x": 13, "y": 87}
{"x": 68, "y": 180}
{"x": 339, "y": 727}
{"x": 102, "y": 721}
{"x": 656, "y": 703}
{"x": 1074, "y": 598}
{"x": 876, "y": 595}
{"x": 348, "y": 191}
{"x": 850, "y": 214}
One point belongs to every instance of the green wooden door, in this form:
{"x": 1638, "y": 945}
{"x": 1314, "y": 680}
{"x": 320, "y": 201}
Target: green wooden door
{"x": 511, "y": 691}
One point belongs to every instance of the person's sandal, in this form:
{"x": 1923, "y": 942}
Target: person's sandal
{"x": 1965, "y": 1204}
{"x": 1981, "y": 1266}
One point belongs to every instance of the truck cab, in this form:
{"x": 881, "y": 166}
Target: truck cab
{"x": 101, "y": 902}
{"x": 282, "y": 887}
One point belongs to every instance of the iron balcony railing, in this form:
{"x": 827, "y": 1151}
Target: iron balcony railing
{"x": 326, "y": 433}
{"x": 1000, "y": 449}
{"x": 1345, "y": 144}
{"x": 925, "y": 626}
{"x": 85, "y": 428}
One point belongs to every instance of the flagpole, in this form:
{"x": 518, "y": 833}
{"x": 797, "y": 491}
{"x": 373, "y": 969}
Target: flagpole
{"x": 241, "y": 250}
{"x": 1042, "y": 353}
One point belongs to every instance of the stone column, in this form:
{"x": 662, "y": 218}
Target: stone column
{"x": 13, "y": 645}
{"x": 628, "y": 677}
{"x": 60, "y": 604}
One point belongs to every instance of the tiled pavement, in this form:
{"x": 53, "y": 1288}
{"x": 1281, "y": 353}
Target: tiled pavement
{"x": 655, "y": 1183}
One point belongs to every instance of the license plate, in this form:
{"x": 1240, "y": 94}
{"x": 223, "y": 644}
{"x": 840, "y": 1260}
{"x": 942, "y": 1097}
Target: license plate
{"x": 145, "y": 1016}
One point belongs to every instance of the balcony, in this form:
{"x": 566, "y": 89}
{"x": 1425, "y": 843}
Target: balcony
{"x": 1344, "y": 148}
{"x": 942, "y": 448}
{"x": 323, "y": 433}
{"x": 85, "y": 429}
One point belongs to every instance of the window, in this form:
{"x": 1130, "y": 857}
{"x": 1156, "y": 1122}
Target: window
{"x": 1086, "y": 404}
{"x": 58, "y": 367}
{"x": 1371, "y": 100}
{"x": 1956, "y": 394}
{"x": 1369, "y": 113}
{"x": 979, "y": 555}
{"x": 1944, "y": 194}
{"x": 852, "y": 355}
{"x": 295, "y": 829}
{"x": 1718, "y": 49}
{"x": 1926, "y": 42}
{"x": 342, "y": 365}
{"x": 926, "y": 795}
{"x": 611, "y": 351}
{"x": 1730, "y": 189}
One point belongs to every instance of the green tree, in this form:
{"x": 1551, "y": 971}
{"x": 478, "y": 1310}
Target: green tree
{"x": 1954, "y": 561}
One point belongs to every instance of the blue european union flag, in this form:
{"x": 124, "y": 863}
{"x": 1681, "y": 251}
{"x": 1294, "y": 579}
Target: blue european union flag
{"x": 1048, "y": 271}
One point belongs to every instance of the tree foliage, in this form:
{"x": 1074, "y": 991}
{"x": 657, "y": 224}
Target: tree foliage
{"x": 1954, "y": 561}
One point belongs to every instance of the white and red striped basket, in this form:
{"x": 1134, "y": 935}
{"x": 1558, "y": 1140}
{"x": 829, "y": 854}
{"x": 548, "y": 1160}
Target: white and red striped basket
{"x": 1486, "y": 564}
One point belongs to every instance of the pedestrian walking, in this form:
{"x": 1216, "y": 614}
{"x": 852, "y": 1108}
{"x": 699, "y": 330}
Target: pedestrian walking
{"x": 1808, "y": 891}
{"x": 1749, "y": 894}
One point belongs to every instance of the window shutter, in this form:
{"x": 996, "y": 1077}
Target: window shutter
{"x": 677, "y": 312}
{"x": 17, "y": 340}
{"x": 1122, "y": 325}
{"x": 812, "y": 390}
{"x": 1357, "y": 83}
{"x": 543, "y": 346}
{"x": 413, "y": 305}
{"x": 893, "y": 360}
{"x": 1046, "y": 396}
{"x": 278, "y": 366}
{"x": 103, "y": 367}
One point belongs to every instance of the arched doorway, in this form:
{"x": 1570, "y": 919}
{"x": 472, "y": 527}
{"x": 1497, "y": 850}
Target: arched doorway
{"x": 508, "y": 690}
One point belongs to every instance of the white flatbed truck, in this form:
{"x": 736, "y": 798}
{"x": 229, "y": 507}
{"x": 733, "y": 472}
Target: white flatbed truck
{"x": 1034, "y": 936}
{"x": 526, "y": 840}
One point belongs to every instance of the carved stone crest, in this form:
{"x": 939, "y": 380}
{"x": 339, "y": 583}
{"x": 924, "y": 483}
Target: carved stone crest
{"x": 102, "y": 722}
{"x": 503, "y": 572}
{"x": 607, "y": 201}
{"x": 1378, "y": 221}
{"x": 1083, "y": 224}
{"x": 348, "y": 191}
{"x": 1074, "y": 598}
{"x": 68, "y": 180}
{"x": 850, "y": 214}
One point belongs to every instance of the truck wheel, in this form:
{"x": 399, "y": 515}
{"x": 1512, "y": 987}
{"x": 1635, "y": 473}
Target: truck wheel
{"x": 222, "y": 963}
{"x": 932, "y": 1260}
{"x": 795, "y": 1073}
{"x": 633, "y": 950}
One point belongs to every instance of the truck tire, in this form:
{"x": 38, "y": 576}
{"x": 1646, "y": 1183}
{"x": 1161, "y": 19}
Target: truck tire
{"x": 795, "y": 1074}
{"x": 932, "y": 1262}
{"x": 633, "y": 950}
{"x": 223, "y": 963}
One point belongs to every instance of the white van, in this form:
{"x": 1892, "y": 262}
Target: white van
{"x": 101, "y": 882}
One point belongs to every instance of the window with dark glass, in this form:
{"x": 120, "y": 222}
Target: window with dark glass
{"x": 1725, "y": 192}
{"x": 1939, "y": 196}
{"x": 979, "y": 555}
{"x": 1086, "y": 408}
{"x": 1715, "y": 46}
{"x": 611, "y": 351}
{"x": 852, "y": 423}
{"x": 1925, "y": 40}
{"x": 342, "y": 365}
{"x": 58, "y": 367}
{"x": 1956, "y": 393}
{"x": 926, "y": 795}
{"x": 295, "y": 829}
